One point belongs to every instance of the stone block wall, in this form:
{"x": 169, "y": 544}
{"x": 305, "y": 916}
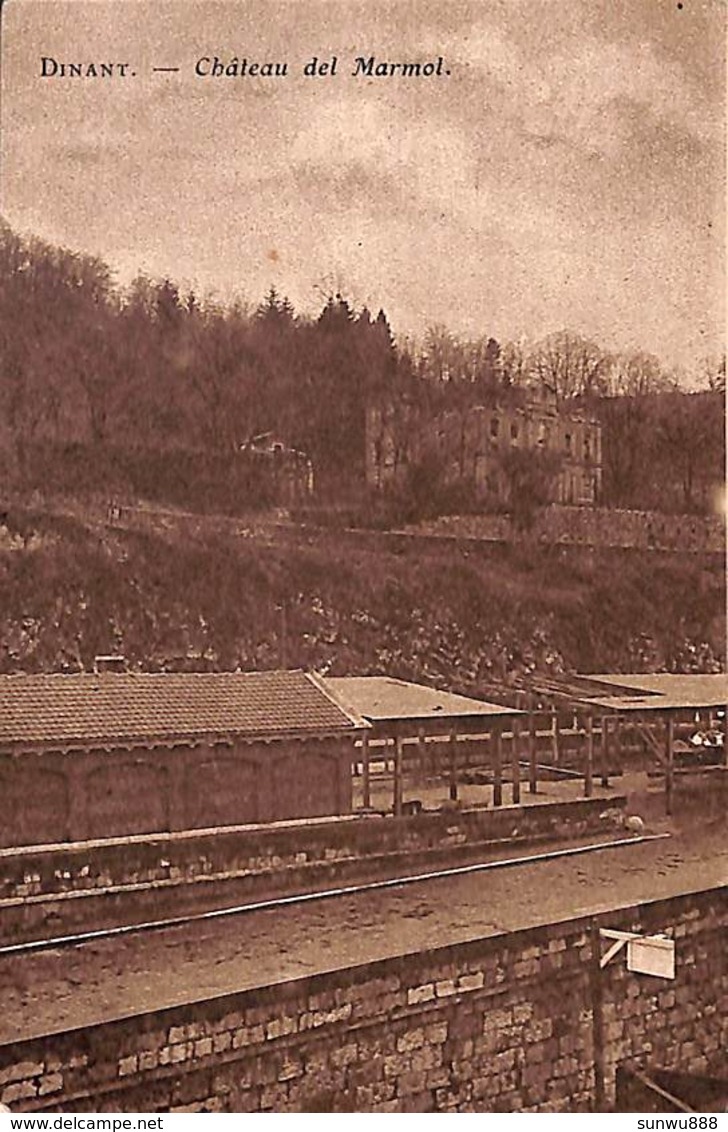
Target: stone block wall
{"x": 499, "y": 1024}
{"x": 592, "y": 526}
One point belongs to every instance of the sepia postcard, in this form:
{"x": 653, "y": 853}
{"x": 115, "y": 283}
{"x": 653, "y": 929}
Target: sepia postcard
{"x": 362, "y": 559}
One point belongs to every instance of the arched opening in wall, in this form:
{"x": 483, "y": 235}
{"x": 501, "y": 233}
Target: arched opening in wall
{"x": 35, "y": 804}
{"x": 306, "y": 785}
{"x": 126, "y": 797}
{"x": 221, "y": 789}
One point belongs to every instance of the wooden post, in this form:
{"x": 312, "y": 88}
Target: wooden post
{"x": 532, "y": 746}
{"x": 497, "y": 741}
{"x": 597, "y": 1004}
{"x": 366, "y": 789}
{"x": 422, "y": 752}
{"x": 515, "y": 756}
{"x": 669, "y": 762}
{"x": 398, "y": 791}
{"x": 453, "y": 766}
{"x": 605, "y": 750}
{"x": 555, "y": 735}
{"x": 618, "y": 740}
{"x": 589, "y": 769}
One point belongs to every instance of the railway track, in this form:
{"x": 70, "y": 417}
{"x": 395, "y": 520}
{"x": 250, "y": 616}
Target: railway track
{"x": 74, "y": 939}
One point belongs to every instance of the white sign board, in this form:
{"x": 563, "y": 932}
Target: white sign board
{"x": 652, "y": 955}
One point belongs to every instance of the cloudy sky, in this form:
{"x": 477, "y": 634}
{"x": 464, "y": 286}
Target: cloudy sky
{"x": 567, "y": 173}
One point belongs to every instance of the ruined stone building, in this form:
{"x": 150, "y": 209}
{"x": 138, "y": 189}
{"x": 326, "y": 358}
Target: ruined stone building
{"x": 470, "y": 444}
{"x": 288, "y": 473}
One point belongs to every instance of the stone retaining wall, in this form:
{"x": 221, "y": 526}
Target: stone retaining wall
{"x": 592, "y": 526}
{"x": 64, "y": 888}
{"x": 499, "y": 1024}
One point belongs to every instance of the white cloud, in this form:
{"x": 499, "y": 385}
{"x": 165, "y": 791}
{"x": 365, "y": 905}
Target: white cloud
{"x": 578, "y": 92}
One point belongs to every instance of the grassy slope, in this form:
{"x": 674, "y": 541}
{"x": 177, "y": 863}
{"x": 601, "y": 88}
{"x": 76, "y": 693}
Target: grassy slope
{"x": 71, "y": 591}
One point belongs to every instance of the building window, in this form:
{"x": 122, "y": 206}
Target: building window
{"x": 514, "y": 431}
{"x": 587, "y": 449}
{"x": 568, "y": 442}
{"x": 494, "y": 427}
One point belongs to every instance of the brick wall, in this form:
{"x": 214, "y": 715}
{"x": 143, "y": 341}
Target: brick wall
{"x": 497, "y": 1024}
{"x": 93, "y": 885}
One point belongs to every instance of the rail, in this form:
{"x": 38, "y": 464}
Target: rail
{"x": 307, "y": 897}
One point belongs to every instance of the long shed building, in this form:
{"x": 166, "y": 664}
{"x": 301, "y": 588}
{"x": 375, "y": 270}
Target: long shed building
{"x": 93, "y": 756}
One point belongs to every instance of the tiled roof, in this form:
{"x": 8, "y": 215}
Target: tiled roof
{"x": 77, "y": 709}
{"x": 381, "y": 698}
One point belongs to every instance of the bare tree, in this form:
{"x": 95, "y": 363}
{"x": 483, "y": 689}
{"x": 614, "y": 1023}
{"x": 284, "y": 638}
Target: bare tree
{"x": 713, "y": 374}
{"x": 515, "y": 365}
{"x": 568, "y": 366}
{"x": 635, "y": 375}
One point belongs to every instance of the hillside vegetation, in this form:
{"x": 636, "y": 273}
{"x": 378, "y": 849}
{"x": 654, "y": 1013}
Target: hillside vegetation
{"x": 71, "y": 589}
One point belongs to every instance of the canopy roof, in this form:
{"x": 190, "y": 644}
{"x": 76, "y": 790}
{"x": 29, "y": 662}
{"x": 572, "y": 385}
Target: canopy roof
{"x": 656, "y": 692}
{"x": 385, "y": 701}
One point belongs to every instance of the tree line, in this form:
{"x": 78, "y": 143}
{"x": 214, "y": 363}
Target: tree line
{"x": 150, "y": 368}
{"x": 663, "y": 447}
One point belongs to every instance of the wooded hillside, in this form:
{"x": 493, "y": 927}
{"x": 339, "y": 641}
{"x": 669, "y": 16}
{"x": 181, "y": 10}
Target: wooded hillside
{"x": 151, "y": 392}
